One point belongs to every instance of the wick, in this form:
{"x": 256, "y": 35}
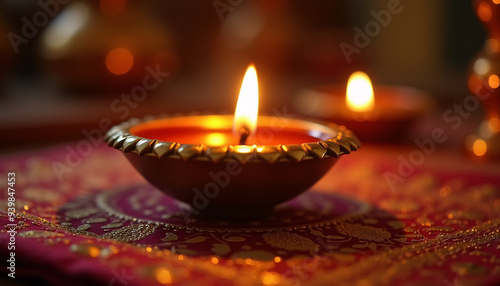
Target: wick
{"x": 244, "y": 135}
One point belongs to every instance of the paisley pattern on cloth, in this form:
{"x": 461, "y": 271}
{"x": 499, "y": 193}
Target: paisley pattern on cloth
{"x": 93, "y": 219}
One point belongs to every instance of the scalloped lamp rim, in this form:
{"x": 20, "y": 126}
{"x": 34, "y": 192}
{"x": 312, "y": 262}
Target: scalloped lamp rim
{"x": 343, "y": 142}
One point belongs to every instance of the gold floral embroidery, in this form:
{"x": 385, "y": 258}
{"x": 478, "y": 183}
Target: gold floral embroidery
{"x": 234, "y": 238}
{"x": 131, "y": 232}
{"x": 84, "y": 227}
{"x": 386, "y": 265}
{"x": 170, "y": 237}
{"x": 364, "y": 232}
{"x": 39, "y": 233}
{"x": 112, "y": 225}
{"x": 20, "y": 225}
{"x": 289, "y": 241}
{"x": 221, "y": 249}
{"x": 96, "y": 220}
{"x": 81, "y": 213}
{"x": 196, "y": 239}
{"x": 380, "y": 268}
{"x": 441, "y": 228}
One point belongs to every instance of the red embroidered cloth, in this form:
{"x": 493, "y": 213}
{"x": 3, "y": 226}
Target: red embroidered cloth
{"x": 371, "y": 220}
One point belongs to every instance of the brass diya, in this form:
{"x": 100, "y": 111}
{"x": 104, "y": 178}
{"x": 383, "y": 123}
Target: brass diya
{"x": 224, "y": 178}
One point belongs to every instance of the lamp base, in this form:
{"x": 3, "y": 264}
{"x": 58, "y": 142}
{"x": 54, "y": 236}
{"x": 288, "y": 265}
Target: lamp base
{"x": 145, "y": 204}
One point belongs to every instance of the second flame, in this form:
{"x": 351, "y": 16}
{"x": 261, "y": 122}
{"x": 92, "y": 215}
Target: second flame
{"x": 360, "y": 96}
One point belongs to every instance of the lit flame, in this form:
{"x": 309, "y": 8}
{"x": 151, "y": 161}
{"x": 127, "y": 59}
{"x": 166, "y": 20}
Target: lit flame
{"x": 247, "y": 108}
{"x": 360, "y": 93}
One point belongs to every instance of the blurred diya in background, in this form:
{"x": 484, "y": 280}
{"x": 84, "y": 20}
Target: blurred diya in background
{"x": 106, "y": 46}
{"x": 382, "y": 112}
{"x": 230, "y": 166}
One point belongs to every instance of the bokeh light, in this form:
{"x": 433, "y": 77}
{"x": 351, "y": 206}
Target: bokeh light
{"x": 119, "y": 61}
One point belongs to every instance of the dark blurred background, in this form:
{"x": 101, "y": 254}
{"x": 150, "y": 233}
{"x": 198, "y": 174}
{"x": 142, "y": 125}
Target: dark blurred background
{"x": 66, "y": 65}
